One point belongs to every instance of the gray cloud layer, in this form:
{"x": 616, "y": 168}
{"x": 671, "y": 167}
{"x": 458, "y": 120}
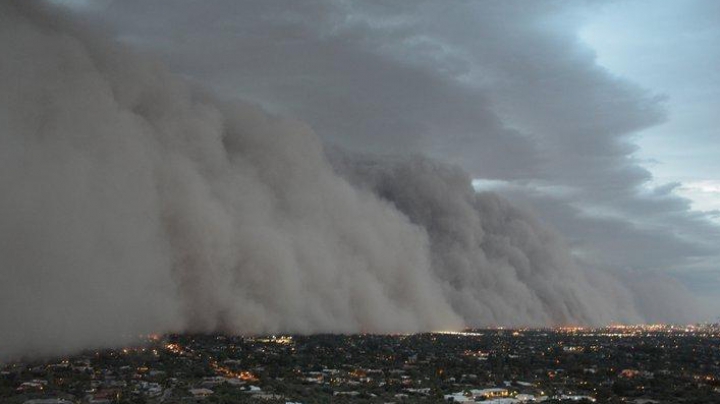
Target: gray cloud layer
{"x": 134, "y": 202}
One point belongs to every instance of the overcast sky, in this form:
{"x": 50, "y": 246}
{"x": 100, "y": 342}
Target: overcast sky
{"x": 601, "y": 117}
{"x": 655, "y": 44}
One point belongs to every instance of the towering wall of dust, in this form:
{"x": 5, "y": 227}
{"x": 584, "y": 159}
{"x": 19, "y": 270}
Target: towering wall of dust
{"x": 132, "y": 203}
{"x": 497, "y": 264}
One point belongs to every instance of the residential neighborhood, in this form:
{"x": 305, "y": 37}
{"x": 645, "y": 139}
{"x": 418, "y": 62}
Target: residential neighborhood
{"x": 621, "y": 364}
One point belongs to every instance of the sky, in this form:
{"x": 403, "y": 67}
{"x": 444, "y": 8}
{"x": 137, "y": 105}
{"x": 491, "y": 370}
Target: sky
{"x": 653, "y": 44}
{"x": 599, "y": 117}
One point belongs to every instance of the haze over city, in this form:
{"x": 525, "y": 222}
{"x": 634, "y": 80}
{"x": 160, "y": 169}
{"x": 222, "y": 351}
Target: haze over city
{"x": 275, "y": 166}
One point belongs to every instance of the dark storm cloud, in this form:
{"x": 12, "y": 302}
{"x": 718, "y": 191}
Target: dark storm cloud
{"x": 344, "y": 74}
{"x": 448, "y": 81}
{"x": 633, "y": 246}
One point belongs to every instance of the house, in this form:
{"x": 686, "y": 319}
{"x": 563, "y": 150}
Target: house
{"x": 201, "y": 392}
